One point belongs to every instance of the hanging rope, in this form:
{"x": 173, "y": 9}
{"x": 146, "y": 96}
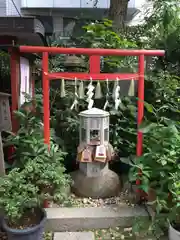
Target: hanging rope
{"x": 79, "y": 92}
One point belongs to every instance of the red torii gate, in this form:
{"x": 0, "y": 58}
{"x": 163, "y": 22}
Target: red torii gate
{"x": 94, "y": 74}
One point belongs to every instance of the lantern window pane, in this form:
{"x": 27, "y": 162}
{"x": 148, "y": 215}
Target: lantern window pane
{"x": 83, "y": 135}
{"x": 95, "y": 123}
{"x": 106, "y": 122}
{"x": 106, "y": 134}
{"x": 84, "y": 122}
{"x": 94, "y": 134}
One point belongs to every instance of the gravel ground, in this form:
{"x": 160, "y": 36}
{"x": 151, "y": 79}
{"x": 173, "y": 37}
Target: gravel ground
{"x": 126, "y": 196}
{"x": 74, "y": 201}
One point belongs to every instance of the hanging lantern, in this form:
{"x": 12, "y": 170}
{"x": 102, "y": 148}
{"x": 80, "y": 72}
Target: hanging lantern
{"x": 73, "y": 61}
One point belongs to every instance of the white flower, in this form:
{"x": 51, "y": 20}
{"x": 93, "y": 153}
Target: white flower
{"x": 122, "y": 237}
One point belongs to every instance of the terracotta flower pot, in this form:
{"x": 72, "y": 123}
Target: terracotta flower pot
{"x": 46, "y": 204}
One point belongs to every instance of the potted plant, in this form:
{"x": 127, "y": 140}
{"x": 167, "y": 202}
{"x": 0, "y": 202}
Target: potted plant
{"x": 24, "y": 190}
{"x": 174, "y": 214}
{"x": 22, "y": 206}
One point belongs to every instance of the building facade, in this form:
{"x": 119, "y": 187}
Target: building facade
{"x": 61, "y": 16}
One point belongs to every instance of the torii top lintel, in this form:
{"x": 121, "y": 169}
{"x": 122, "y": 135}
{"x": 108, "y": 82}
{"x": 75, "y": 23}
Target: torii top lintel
{"x": 92, "y": 51}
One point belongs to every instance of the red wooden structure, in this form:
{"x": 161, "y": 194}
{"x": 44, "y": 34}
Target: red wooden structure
{"x": 94, "y": 74}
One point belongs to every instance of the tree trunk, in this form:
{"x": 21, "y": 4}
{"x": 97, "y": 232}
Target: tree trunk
{"x": 118, "y": 13}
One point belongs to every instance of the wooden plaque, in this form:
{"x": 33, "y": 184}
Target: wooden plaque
{"x": 86, "y": 156}
{"x": 100, "y": 154}
{"x": 5, "y": 115}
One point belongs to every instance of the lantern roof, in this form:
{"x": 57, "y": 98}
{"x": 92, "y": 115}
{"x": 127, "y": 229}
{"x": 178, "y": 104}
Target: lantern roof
{"x": 94, "y": 112}
{"x": 2, "y": 94}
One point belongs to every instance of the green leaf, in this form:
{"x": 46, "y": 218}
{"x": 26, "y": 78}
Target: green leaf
{"x": 149, "y": 107}
{"x": 147, "y": 126}
{"x": 163, "y": 162}
{"x": 144, "y": 187}
{"x": 19, "y": 114}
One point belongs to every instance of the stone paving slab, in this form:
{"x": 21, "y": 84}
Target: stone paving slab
{"x": 74, "y": 236}
{"x": 77, "y": 219}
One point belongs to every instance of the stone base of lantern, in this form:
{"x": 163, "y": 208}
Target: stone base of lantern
{"x": 93, "y": 169}
{"x": 95, "y": 180}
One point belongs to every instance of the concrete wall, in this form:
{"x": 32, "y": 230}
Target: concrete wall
{"x": 13, "y": 8}
{"x": 72, "y": 3}
{"x": 58, "y": 24}
{"x": 2, "y": 8}
{"x": 7, "y": 8}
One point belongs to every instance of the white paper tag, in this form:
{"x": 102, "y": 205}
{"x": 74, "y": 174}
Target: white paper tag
{"x": 91, "y": 103}
{"x": 90, "y": 96}
{"x": 106, "y": 105}
{"x": 90, "y": 87}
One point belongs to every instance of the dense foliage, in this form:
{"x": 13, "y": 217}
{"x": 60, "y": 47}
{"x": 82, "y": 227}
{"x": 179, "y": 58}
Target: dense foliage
{"x": 160, "y": 166}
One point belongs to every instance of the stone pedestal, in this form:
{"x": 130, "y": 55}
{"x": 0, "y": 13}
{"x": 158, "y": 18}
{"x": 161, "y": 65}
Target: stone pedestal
{"x": 93, "y": 169}
{"x": 95, "y": 180}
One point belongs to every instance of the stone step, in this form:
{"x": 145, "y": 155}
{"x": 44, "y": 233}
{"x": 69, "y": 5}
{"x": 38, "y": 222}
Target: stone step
{"x": 78, "y": 219}
{"x": 74, "y": 236}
